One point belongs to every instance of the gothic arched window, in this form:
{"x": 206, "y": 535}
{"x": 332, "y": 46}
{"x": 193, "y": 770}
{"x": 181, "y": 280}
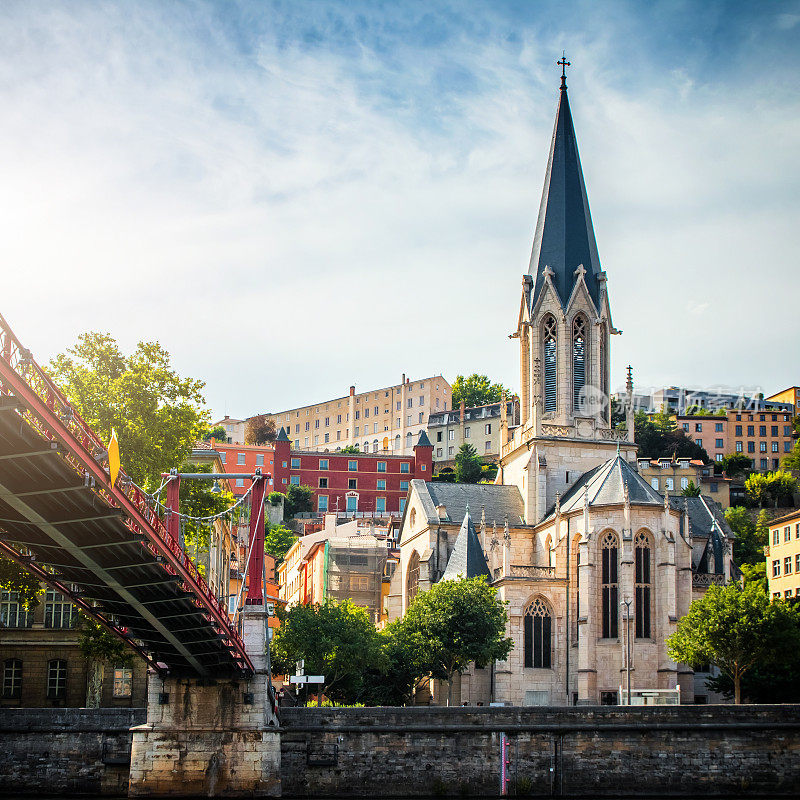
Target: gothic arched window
{"x": 609, "y": 585}
{"x": 412, "y": 578}
{"x": 397, "y": 443}
{"x": 550, "y": 340}
{"x": 538, "y": 635}
{"x": 603, "y": 365}
{"x": 409, "y": 441}
{"x": 643, "y": 585}
{"x": 579, "y": 337}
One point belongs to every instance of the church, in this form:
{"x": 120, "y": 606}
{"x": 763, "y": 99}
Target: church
{"x": 594, "y": 565}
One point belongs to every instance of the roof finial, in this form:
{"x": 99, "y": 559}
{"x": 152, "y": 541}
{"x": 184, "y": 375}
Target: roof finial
{"x": 563, "y": 63}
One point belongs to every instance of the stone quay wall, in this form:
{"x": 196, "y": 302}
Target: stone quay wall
{"x": 66, "y": 751}
{"x": 571, "y": 752}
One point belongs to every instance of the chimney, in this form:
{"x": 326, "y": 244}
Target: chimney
{"x": 441, "y": 511}
{"x": 352, "y": 391}
{"x": 403, "y": 380}
{"x": 461, "y": 412}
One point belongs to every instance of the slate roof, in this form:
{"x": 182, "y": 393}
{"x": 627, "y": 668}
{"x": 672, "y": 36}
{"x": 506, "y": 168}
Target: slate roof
{"x": 423, "y": 440}
{"x": 282, "y": 437}
{"x": 708, "y": 527}
{"x": 564, "y": 235}
{"x": 467, "y": 559}
{"x": 497, "y": 501}
{"x": 606, "y": 485}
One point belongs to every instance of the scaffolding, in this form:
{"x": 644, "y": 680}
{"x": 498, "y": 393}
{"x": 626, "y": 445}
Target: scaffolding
{"x": 354, "y": 570}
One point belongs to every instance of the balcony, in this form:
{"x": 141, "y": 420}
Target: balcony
{"x": 702, "y": 580}
{"x": 528, "y": 572}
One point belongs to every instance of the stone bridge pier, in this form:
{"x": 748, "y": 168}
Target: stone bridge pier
{"x": 210, "y": 738}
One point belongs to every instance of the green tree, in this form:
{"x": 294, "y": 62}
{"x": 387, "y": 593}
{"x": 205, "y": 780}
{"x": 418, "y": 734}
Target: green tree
{"x": 736, "y": 628}
{"x": 659, "y": 438}
{"x": 763, "y": 487}
{"x": 350, "y": 448}
{"x": 197, "y": 500}
{"x": 157, "y": 414}
{"x": 691, "y": 490}
{"x": 748, "y": 546}
{"x": 757, "y": 488}
{"x": 476, "y": 390}
{"x": 468, "y": 464}
{"x": 13, "y": 578}
{"x": 792, "y": 461}
{"x": 459, "y": 622}
{"x": 337, "y": 640}
{"x": 299, "y": 499}
{"x": 278, "y": 540}
{"x": 218, "y": 434}
{"x": 756, "y": 574}
{"x": 735, "y": 464}
{"x": 260, "y": 430}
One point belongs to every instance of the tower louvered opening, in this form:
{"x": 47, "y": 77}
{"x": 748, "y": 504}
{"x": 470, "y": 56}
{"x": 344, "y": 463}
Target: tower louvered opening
{"x": 578, "y": 361}
{"x": 550, "y": 364}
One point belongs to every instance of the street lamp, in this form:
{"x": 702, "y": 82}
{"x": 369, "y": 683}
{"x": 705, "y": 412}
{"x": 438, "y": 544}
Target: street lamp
{"x": 627, "y": 604}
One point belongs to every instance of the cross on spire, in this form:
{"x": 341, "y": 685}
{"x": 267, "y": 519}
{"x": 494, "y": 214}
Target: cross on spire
{"x": 563, "y": 63}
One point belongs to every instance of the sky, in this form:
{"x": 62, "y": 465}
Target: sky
{"x": 292, "y": 197}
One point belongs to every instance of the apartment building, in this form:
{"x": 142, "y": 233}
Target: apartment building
{"x": 790, "y": 395}
{"x": 764, "y": 436}
{"x": 479, "y": 426}
{"x": 234, "y": 429}
{"x": 673, "y": 475}
{"x": 245, "y": 458}
{"x": 783, "y": 556}
{"x": 356, "y": 483}
{"x": 387, "y": 420}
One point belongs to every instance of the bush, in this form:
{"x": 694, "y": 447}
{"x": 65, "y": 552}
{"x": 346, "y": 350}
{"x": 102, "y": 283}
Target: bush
{"x": 275, "y": 498}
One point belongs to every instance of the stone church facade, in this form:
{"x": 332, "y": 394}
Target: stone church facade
{"x": 578, "y": 545}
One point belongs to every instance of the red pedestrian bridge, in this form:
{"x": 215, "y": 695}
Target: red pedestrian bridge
{"x": 103, "y": 546}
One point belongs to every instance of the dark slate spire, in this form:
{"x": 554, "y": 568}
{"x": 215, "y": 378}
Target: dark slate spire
{"x": 564, "y": 235}
{"x": 467, "y": 559}
{"x": 281, "y": 437}
{"x": 423, "y": 440}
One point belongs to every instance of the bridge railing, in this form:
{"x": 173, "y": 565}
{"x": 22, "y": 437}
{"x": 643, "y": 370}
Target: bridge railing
{"x": 59, "y": 413}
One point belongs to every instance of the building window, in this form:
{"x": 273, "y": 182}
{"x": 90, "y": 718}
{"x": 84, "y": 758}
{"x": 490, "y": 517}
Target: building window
{"x": 222, "y": 456}
{"x": 322, "y": 502}
{"x": 402, "y": 504}
{"x": 787, "y": 533}
{"x": 240, "y": 482}
{"x": 686, "y": 427}
{"x": 323, "y": 463}
{"x": 751, "y": 447}
{"x": 609, "y": 586}
{"x": 450, "y": 451}
{"x": 776, "y": 568}
{"x": 294, "y": 480}
{"x": 352, "y": 483}
{"x": 438, "y": 452}
{"x": 719, "y": 457}
{"x": 295, "y": 463}
{"x": 549, "y": 337}
{"x": 787, "y": 565}
{"x": 259, "y": 459}
{"x": 698, "y": 426}
{"x": 12, "y": 679}
{"x": 405, "y": 467}
{"x": 578, "y": 361}
{"x": 487, "y": 447}
{"x": 719, "y": 443}
{"x": 537, "y": 635}
{"x": 684, "y": 483}
{"x": 58, "y": 611}
{"x": 466, "y": 432}
{"x": 698, "y": 442}
{"x": 488, "y": 429}
{"x": 380, "y": 505}
{"x": 739, "y": 447}
{"x": 403, "y": 486}
{"x": 774, "y": 447}
{"x": 643, "y": 586}
{"x": 718, "y": 428}
{"x": 57, "y": 679}
{"x": 762, "y": 447}
{"x": 654, "y": 483}
{"x": 738, "y": 430}
{"x": 323, "y": 483}
{"x": 381, "y": 484}
{"x": 123, "y": 682}
{"x": 764, "y": 463}
{"x": 240, "y": 458}
{"x": 352, "y": 466}
{"x": 352, "y": 502}
{"x": 669, "y": 484}
{"x": 381, "y": 466}
{"x": 762, "y": 430}
{"x": 776, "y": 536}
{"x": 12, "y": 614}
{"x": 412, "y": 578}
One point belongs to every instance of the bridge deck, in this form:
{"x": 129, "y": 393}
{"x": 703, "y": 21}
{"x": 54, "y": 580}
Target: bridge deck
{"x": 58, "y": 513}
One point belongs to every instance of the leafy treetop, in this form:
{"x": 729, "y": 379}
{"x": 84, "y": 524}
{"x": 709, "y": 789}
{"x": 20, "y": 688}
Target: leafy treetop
{"x": 157, "y": 414}
{"x": 260, "y": 430}
{"x": 659, "y": 438}
{"x": 468, "y": 464}
{"x": 736, "y": 628}
{"x": 476, "y": 390}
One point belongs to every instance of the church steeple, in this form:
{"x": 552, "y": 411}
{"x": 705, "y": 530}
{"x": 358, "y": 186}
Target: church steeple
{"x": 564, "y": 239}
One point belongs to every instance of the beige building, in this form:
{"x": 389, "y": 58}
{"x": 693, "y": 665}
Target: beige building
{"x": 673, "y": 475}
{"x": 234, "y": 429}
{"x": 479, "y": 426}
{"x": 581, "y": 548}
{"x": 790, "y": 395}
{"x": 380, "y": 420}
{"x": 783, "y": 556}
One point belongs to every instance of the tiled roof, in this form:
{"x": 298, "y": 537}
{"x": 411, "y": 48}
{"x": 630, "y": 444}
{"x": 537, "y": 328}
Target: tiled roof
{"x": 606, "y": 486}
{"x": 496, "y": 501}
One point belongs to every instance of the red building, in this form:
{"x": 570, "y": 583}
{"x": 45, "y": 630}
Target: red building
{"x": 245, "y": 458}
{"x": 374, "y": 483}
